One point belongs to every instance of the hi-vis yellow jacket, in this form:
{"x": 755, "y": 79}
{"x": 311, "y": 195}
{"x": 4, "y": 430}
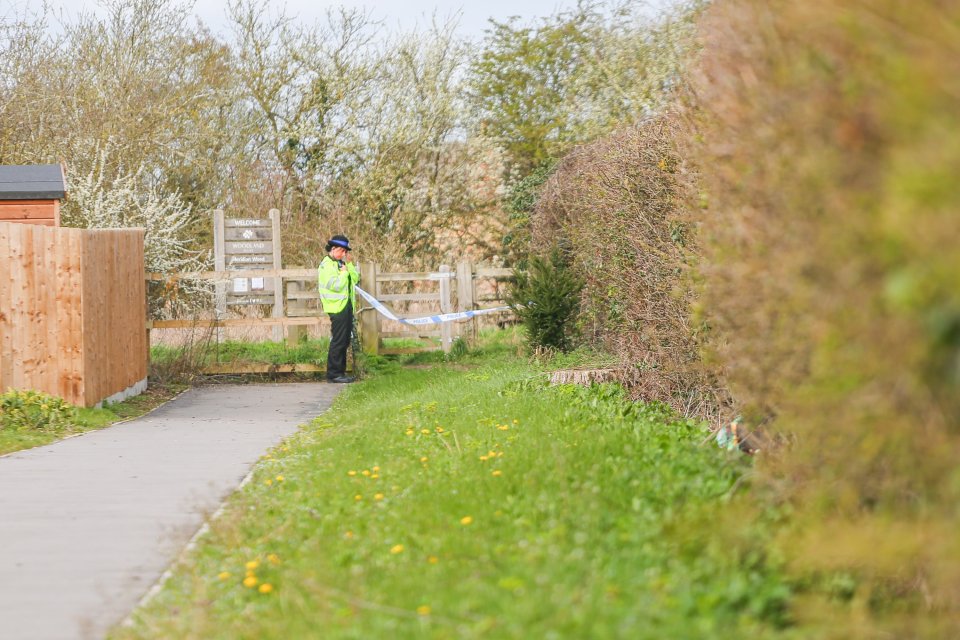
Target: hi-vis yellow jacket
{"x": 335, "y": 286}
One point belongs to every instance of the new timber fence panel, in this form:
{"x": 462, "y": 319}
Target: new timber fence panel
{"x": 69, "y": 313}
{"x": 113, "y": 293}
{"x": 72, "y": 311}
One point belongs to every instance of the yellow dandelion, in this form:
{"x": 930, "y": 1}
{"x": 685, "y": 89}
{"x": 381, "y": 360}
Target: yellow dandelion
{"x": 253, "y": 564}
{"x": 250, "y": 582}
{"x": 280, "y": 478}
{"x": 433, "y": 559}
{"x": 484, "y": 458}
{"x": 351, "y": 473}
{"x": 375, "y": 476}
{"x": 500, "y": 455}
{"x": 423, "y": 459}
{"x": 366, "y": 472}
{"x": 266, "y": 587}
{"x": 358, "y": 497}
{"x": 423, "y": 610}
{"x": 348, "y": 535}
{"x": 425, "y": 431}
{"x": 224, "y": 575}
{"x": 504, "y": 427}
{"x": 515, "y": 421}
{"x": 497, "y": 473}
{"x": 492, "y": 454}
{"x": 397, "y": 548}
{"x": 465, "y": 520}
{"x": 409, "y": 432}
{"x": 273, "y": 558}
{"x": 378, "y": 496}
{"x": 376, "y": 469}
{"x": 439, "y": 429}
{"x": 268, "y": 482}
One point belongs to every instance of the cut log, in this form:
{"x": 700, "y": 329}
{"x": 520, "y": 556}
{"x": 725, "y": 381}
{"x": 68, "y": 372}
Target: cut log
{"x": 584, "y": 377}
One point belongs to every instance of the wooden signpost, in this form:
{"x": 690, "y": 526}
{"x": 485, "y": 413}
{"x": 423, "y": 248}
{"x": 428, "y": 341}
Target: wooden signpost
{"x": 250, "y": 244}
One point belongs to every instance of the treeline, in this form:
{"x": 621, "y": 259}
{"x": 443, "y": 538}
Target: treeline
{"x": 407, "y": 142}
{"x": 784, "y": 244}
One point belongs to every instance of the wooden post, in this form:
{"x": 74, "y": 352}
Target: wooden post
{"x": 369, "y": 317}
{"x": 446, "y": 331}
{"x": 294, "y": 331}
{"x": 375, "y": 284}
{"x": 278, "y": 281}
{"x": 219, "y": 262}
{"x": 465, "y": 299}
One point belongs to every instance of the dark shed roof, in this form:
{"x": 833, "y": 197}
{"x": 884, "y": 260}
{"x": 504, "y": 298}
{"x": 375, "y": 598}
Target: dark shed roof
{"x": 31, "y": 182}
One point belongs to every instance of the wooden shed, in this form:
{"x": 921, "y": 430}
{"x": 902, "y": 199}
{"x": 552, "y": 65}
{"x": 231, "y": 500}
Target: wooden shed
{"x": 31, "y": 194}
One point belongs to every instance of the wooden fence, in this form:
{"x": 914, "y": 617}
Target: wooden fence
{"x": 445, "y": 290}
{"x": 72, "y": 312}
{"x": 448, "y": 289}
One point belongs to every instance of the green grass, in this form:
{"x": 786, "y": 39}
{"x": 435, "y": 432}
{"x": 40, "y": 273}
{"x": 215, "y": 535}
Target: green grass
{"x": 267, "y": 352}
{"x": 88, "y": 419}
{"x": 470, "y": 500}
{"x": 313, "y": 351}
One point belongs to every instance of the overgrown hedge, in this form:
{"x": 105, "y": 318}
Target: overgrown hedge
{"x": 824, "y": 236}
{"x": 618, "y": 205}
{"x": 831, "y": 151}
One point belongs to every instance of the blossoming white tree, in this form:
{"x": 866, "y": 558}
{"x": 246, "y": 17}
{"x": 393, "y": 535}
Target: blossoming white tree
{"x": 103, "y": 197}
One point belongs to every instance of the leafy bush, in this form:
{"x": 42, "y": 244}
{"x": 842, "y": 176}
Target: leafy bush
{"x": 831, "y": 134}
{"x": 32, "y": 410}
{"x": 546, "y": 298}
{"x": 623, "y": 197}
{"x": 520, "y": 203}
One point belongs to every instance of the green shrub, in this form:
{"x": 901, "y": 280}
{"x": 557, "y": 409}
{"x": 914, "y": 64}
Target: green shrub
{"x": 623, "y": 197}
{"x": 520, "y": 202}
{"x": 546, "y": 298}
{"x": 831, "y": 143}
{"x": 34, "y": 411}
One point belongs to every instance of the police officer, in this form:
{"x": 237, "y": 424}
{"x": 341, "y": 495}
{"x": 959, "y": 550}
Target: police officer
{"x": 337, "y": 278}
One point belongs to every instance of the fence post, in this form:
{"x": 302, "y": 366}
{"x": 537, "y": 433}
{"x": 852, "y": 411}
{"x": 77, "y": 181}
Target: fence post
{"x": 219, "y": 262}
{"x": 446, "y": 331}
{"x": 369, "y": 318}
{"x": 465, "y": 298}
{"x": 278, "y": 281}
{"x": 294, "y": 331}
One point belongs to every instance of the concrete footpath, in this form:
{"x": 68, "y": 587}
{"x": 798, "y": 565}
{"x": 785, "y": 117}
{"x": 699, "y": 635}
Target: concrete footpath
{"x": 89, "y": 524}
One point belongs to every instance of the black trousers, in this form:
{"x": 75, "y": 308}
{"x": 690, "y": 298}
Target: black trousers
{"x": 340, "y": 326}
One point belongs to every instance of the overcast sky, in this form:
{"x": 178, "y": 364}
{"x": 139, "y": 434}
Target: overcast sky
{"x": 395, "y": 15}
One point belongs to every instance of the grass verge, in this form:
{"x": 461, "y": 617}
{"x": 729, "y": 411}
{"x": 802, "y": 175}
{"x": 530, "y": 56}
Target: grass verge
{"x": 312, "y": 351}
{"x": 471, "y": 500}
{"x": 88, "y": 419}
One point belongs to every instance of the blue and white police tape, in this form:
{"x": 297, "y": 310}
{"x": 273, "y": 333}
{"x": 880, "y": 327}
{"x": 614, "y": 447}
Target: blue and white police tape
{"x": 437, "y": 319}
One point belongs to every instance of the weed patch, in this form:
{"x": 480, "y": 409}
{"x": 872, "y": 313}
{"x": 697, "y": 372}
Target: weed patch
{"x": 31, "y": 419}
